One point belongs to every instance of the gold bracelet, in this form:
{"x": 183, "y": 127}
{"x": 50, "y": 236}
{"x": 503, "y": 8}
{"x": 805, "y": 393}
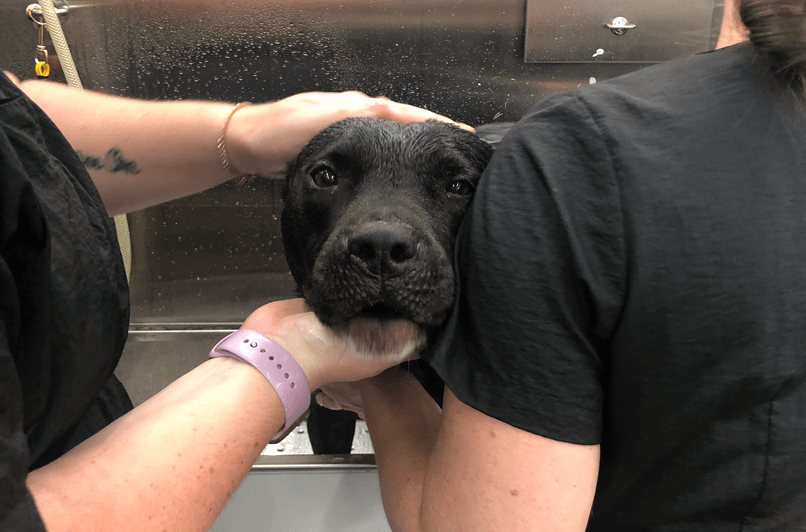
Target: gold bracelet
{"x": 222, "y": 144}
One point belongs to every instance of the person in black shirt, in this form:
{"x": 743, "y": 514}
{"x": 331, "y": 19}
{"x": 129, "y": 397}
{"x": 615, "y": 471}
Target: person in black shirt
{"x": 64, "y": 308}
{"x": 628, "y": 349}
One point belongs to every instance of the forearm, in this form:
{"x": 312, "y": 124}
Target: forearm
{"x": 172, "y": 463}
{"x": 139, "y": 153}
{"x": 142, "y": 153}
{"x": 403, "y": 421}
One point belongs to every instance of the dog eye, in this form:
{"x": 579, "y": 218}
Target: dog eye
{"x": 461, "y": 187}
{"x": 324, "y": 177}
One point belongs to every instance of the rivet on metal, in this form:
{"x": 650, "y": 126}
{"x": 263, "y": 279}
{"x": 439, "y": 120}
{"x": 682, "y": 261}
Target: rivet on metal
{"x": 620, "y": 25}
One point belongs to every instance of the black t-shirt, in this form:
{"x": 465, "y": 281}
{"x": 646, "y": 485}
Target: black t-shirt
{"x": 63, "y": 303}
{"x": 633, "y": 273}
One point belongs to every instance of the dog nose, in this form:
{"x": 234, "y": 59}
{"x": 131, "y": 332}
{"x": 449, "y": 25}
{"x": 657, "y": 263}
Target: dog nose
{"x": 385, "y": 248}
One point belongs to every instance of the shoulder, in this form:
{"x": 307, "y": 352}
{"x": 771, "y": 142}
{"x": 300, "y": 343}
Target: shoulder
{"x": 8, "y": 89}
{"x": 678, "y": 87}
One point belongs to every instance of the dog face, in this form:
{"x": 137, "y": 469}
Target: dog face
{"x": 371, "y": 211}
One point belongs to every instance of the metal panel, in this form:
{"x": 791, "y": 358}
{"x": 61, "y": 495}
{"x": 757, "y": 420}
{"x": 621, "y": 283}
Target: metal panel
{"x": 641, "y": 32}
{"x": 204, "y": 262}
{"x": 212, "y": 258}
{"x": 295, "y": 495}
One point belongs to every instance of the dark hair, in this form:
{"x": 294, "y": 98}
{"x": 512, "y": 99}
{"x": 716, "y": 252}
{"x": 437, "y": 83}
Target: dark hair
{"x": 778, "y": 30}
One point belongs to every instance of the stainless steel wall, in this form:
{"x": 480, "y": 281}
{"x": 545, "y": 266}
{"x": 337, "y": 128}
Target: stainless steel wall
{"x": 207, "y": 260}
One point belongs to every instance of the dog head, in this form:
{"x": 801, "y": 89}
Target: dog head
{"x": 371, "y": 212}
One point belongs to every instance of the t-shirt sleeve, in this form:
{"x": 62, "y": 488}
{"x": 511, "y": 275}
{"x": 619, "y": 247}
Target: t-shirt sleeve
{"x": 540, "y": 257}
{"x": 17, "y": 509}
{"x": 21, "y": 254}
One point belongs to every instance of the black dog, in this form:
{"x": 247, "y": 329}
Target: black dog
{"x": 371, "y": 211}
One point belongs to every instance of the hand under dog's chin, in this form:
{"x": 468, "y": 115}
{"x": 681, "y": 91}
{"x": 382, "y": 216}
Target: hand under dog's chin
{"x": 395, "y": 339}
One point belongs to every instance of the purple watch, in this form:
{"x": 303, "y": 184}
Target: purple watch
{"x": 279, "y": 368}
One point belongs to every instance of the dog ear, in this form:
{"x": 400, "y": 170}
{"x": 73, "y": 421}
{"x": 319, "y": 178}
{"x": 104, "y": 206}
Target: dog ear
{"x": 493, "y": 133}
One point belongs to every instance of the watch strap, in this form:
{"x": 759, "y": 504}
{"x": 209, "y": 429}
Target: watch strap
{"x": 277, "y": 365}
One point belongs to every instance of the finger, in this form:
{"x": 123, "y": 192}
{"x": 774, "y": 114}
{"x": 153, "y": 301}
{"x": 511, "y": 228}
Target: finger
{"x": 400, "y": 112}
{"x": 322, "y": 399}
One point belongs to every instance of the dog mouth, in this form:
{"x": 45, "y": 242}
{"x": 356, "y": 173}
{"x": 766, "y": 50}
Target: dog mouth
{"x": 381, "y": 312}
{"x": 382, "y": 330}
{"x": 394, "y": 339}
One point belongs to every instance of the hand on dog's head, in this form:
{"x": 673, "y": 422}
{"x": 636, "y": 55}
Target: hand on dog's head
{"x": 371, "y": 212}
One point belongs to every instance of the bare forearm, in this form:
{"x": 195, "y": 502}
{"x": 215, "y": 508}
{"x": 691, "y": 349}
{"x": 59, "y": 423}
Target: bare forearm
{"x": 142, "y": 153}
{"x": 403, "y": 421}
{"x": 171, "y": 464}
{"x": 139, "y": 153}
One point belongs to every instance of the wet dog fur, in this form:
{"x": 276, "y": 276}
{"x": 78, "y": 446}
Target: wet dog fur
{"x": 371, "y": 211}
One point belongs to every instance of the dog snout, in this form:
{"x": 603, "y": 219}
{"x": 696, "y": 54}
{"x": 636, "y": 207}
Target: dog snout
{"x": 386, "y": 249}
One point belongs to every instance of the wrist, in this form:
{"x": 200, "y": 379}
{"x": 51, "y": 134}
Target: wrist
{"x": 297, "y": 345}
{"x": 250, "y": 148}
{"x": 233, "y": 142}
{"x": 313, "y": 347}
{"x": 278, "y": 367}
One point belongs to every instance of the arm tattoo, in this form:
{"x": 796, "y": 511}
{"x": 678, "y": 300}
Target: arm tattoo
{"x": 113, "y": 162}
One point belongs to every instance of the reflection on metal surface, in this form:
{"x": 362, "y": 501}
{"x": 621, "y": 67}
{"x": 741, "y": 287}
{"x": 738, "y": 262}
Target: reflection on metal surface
{"x": 212, "y": 258}
{"x": 565, "y": 31}
{"x": 326, "y": 462}
{"x": 314, "y": 494}
{"x": 203, "y": 263}
{"x": 298, "y": 443}
{"x": 620, "y": 25}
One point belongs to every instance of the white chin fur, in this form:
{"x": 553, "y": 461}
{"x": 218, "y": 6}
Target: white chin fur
{"x": 393, "y": 339}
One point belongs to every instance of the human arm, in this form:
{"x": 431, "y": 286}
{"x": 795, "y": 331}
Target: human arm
{"x": 142, "y": 153}
{"x": 459, "y": 469}
{"x": 172, "y": 463}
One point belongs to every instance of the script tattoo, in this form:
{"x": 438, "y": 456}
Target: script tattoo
{"x": 113, "y": 162}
